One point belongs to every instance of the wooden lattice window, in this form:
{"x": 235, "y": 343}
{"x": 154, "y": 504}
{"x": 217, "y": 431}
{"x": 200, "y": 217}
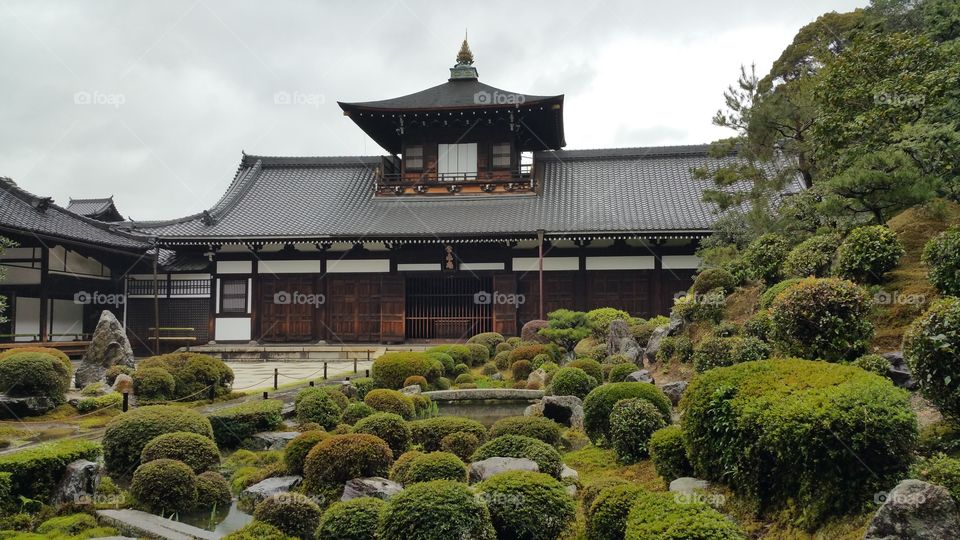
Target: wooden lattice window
{"x": 233, "y": 295}
{"x": 501, "y": 155}
{"x": 413, "y": 158}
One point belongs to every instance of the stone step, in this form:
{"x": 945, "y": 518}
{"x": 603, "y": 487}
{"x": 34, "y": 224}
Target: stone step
{"x": 145, "y": 525}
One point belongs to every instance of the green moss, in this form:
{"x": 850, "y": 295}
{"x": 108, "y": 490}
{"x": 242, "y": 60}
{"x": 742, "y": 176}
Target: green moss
{"x": 35, "y": 472}
{"x": 231, "y": 426}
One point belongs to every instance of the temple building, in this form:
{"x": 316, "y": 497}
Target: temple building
{"x": 474, "y": 219}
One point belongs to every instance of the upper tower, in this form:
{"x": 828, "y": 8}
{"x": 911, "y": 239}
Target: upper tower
{"x": 462, "y": 136}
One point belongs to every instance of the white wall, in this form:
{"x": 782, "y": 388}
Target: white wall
{"x": 359, "y": 266}
{"x": 27, "y": 317}
{"x": 67, "y": 318}
{"x": 680, "y": 262}
{"x": 290, "y": 267}
{"x": 232, "y": 329}
{"x": 531, "y": 264}
{"x": 640, "y": 262}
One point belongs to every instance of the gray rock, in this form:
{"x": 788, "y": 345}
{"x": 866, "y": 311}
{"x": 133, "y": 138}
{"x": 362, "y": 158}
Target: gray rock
{"x": 674, "y": 390}
{"x": 566, "y": 473}
{"x": 571, "y": 490}
{"x": 145, "y": 525}
{"x": 481, "y": 470}
{"x": 78, "y": 484}
{"x": 653, "y": 345}
{"x": 123, "y": 383}
{"x": 499, "y": 377}
{"x": 531, "y": 331}
{"x": 899, "y": 371}
{"x": 269, "y": 440}
{"x": 538, "y": 376}
{"x": 250, "y": 497}
{"x": 410, "y": 390}
{"x": 641, "y": 375}
{"x": 617, "y": 332}
{"x": 348, "y": 389}
{"x": 630, "y": 349}
{"x": 687, "y": 484}
{"x": 566, "y": 410}
{"x": 16, "y": 407}
{"x": 373, "y": 486}
{"x": 915, "y": 510}
{"x": 109, "y": 346}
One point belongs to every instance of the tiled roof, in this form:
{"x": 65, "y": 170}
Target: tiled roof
{"x": 89, "y": 207}
{"x": 26, "y": 213}
{"x": 609, "y": 191}
{"x": 453, "y": 94}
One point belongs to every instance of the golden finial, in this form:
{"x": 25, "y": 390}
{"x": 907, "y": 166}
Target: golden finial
{"x": 465, "y": 56}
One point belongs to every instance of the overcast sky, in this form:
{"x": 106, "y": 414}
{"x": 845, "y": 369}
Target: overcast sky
{"x": 153, "y": 101}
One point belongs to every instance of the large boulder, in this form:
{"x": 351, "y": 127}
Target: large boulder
{"x": 373, "y": 486}
{"x": 411, "y": 390}
{"x": 674, "y": 390}
{"x": 899, "y": 371}
{"x": 915, "y": 510}
{"x": 537, "y": 376}
{"x": 123, "y": 384}
{"x": 16, "y": 407}
{"x": 688, "y": 485}
{"x": 481, "y": 470}
{"x": 269, "y": 440}
{"x": 78, "y": 484}
{"x": 566, "y": 410}
{"x": 641, "y": 375}
{"x": 531, "y": 331}
{"x": 653, "y": 345}
{"x": 108, "y": 347}
{"x": 251, "y": 497}
{"x": 617, "y": 332}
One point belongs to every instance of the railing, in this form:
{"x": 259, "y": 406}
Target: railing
{"x": 521, "y": 178}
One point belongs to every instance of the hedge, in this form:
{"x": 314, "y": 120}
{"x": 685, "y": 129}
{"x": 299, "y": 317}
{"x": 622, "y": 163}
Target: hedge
{"x": 764, "y": 257}
{"x": 868, "y": 253}
{"x": 814, "y": 439}
{"x": 479, "y": 353}
{"x": 599, "y": 320}
{"x": 490, "y": 340}
{"x": 213, "y": 491}
{"x": 607, "y": 514}
{"x": 590, "y": 366}
{"x": 930, "y": 348}
{"x": 257, "y": 530}
{"x": 128, "y": 433}
{"x": 813, "y": 256}
{"x": 90, "y": 404}
{"x": 153, "y": 384}
{"x": 292, "y": 513}
{"x": 546, "y": 457}
{"x": 315, "y": 405}
{"x": 35, "y": 472}
{"x": 392, "y": 368}
{"x": 339, "y": 458}
{"x": 231, "y": 426}
{"x": 714, "y": 278}
{"x": 942, "y": 256}
{"x": 573, "y": 381}
{"x": 525, "y": 504}
{"x": 536, "y": 427}
{"x": 726, "y": 351}
{"x": 600, "y": 401}
{"x": 355, "y": 412}
{"x": 391, "y": 401}
{"x": 438, "y": 510}
{"x": 660, "y": 516}
{"x": 197, "y": 451}
{"x": 193, "y": 373}
{"x": 165, "y": 486}
{"x": 389, "y": 427}
{"x": 668, "y": 453}
{"x": 461, "y": 444}
{"x": 632, "y": 421}
{"x": 420, "y": 467}
{"x": 295, "y": 452}
{"x": 29, "y": 374}
{"x": 356, "y": 519}
{"x": 56, "y": 353}
{"x": 461, "y": 354}
{"x": 429, "y": 432}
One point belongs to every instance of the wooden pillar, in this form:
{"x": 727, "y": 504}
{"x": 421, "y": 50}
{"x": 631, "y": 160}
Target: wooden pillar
{"x": 656, "y": 284}
{"x": 540, "y": 234}
{"x": 156, "y": 299}
{"x": 44, "y": 294}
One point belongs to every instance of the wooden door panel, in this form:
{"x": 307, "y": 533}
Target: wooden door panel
{"x": 504, "y": 314}
{"x": 392, "y": 309}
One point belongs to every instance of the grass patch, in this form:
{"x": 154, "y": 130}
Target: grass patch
{"x": 594, "y": 463}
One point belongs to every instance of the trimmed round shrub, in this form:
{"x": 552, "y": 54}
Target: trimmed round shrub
{"x": 632, "y": 421}
{"x": 165, "y": 486}
{"x": 503, "y": 347}
{"x": 536, "y": 427}
{"x": 726, "y": 351}
{"x": 607, "y": 515}
{"x": 461, "y": 444}
{"x": 479, "y": 353}
{"x": 197, "y": 451}
{"x": 392, "y": 368}
{"x": 418, "y": 380}
{"x": 389, "y": 427}
{"x": 460, "y": 369}
{"x": 213, "y": 491}
{"x": 356, "y": 411}
{"x": 527, "y": 351}
{"x": 192, "y": 373}
{"x": 363, "y": 386}
{"x": 599, "y": 404}
{"x": 573, "y": 381}
{"x": 293, "y": 513}
{"x": 153, "y": 384}
{"x": 525, "y": 504}
{"x": 619, "y": 372}
{"x": 668, "y": 453}
{"x": 660, "y": 516}
{"x": 874, "y": 363}
{"x": 461, "y": 354}
{"x": 539, "y": 360}
{"x": 812, "y": 438}
{"x": 491, "y": 340}
{"x": 356, "y": 519}
{"x": 445, "y": 360}
{"x": 546, "y": 457}
{"x": 822, "y": 318}
{"x": 429, "y": 432}
{"x": 714, "y": 278}
{"x": 768, "y": 296}
{"x": 432, "y": 466}
{"x": 339, "y": 458}
{"x": 764, "y": 257}
{"x": 599, "y": 320}
{"x": 438, "y": 510}
{"x": 257, "y": 530}
{"x": 464, "y": 378}
{"x": 442, "y": 383}
{"x": 313, "y": 405}
{"x": 502, "y": 360}
{"x": 401, "y": 466}
{"x": 868, "y": 253}
{"x": 391, "y": 401}
{"x": 295, "y": 453}
{"x": 941, "y": 470}
{"x": 233, "y": 425}
{"x": 56, "y": 353}
{"x": 590, "y": 366}
{"x": 590, "y": 491}
{"x": 110, "y": 376}
{"x": 521, "y": 369}
{"x": 942, "y": 255}
{"x": 422, "y": 405}
{"x": 812, "y": 257}
{"x": 759, "y": 325}
{"x": 128, "y": 433}
{"x": 489, "y": 369}
{"x": 930, "y": 347}
{"x": 28, "y": 374}
{"x": 335, "y": 394}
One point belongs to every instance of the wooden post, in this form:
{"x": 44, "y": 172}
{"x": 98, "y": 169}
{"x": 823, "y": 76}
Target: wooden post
{"x": 213, "y": 392}
{"x": 324, "y": 371}
{"x": 355, "y": 362}
{"x": 126, "y": 401}
{"x": 368, "y": 373}
{"x": 540, "y": 268}
{"x": 156, "y": 298}
{"x": 311, "y": 383}
{"x": 44, "y": 295}
{"x": 265, "y": 395}
{"x": 276, "y": 374}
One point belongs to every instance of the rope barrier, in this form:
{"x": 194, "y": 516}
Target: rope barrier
{"x": 91, "y": 413}
{"x": 209, "y": 386}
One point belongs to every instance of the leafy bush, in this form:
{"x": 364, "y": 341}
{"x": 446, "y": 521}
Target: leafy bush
{"x": 153, "y": 384}
{"x": 391, "y": 401}
{"x": 356, "y": 411}
{"x": 941, "y": 470}
{"x": 293, "y": 513}
{"x": 504, "y": 347}
{"x": 599, "y": 320}
{"x": 490, "y": 340}
{"x": 591, "y": 490}
{"x": 90, "y": 404}
{"x": 437, "y": 510}
{"x": 356, "y": 519}
{"x": 768, "y": 296}
{"x": 339, "y": 458}
{"x": 759, "y": 325}
{"x": 234, "y": 424}
{"x": 642, "y": 331}
{"x": 874, "y": 363}
{"x": 668, "y": 453}
{"x": 546, "y": 457}
{"x": 416, "y": 380}
{"x": 521, "y": 369}
{"x": 714, "y": 278}
{"x": 461, "y": 354}
{"x": 525, "y": 504}
{"x": 942, "y": 255}
{"x": 420, "y": 467}
{"x": 56, "y": 353}
{"x": 213, "y": 491}
{"x": 35, "y": 472}
{"x": 527, "y": 351}
{"x": 128, "y": 433}
{"x": 67, "y": 526}
{"x": 363, "y": 386}
{"x": 590, "y": 366}
{"x": 193, "y": 373}
{"x": 297, "y": 449}
{"x": 34, "y": 374}
{"x": 868, "y": 253}
{"x": 165, "y": 485}
{"x": 660, "y": 516}
{"x": 573, "y": 381}
{"x": 110, "y": 376}
{"x": 599, "y": 404}
{"x": 619, "y": 372}
{"x": 812, "y": 257}
{"x": 489, "y": 369}
{"x": 479, "y": 353}
{"x": 429, "y": 432}
{"x": 607, "y": 514}
{"x": 566, "y": 327}
{"x": 589, "y": 347}
{"x": 257, "y": 530}
{"x": 197, "y": 451}
{"x": 726, "y": 351}
{"x": 764, "y": 257}
{"x": 461, "y": 444}
{"x": 389, "y": 427}
{"x": 930, "y": 348}
{"x": 392, "y": 368}
{"x": 536, "y": 427}
{"x": 824, "y": 436}
{"x": 824, "y": 318}
{"x": 632, "y": 421}
{"x": 464, "y": 378}
{"x": 445, "y": 360}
